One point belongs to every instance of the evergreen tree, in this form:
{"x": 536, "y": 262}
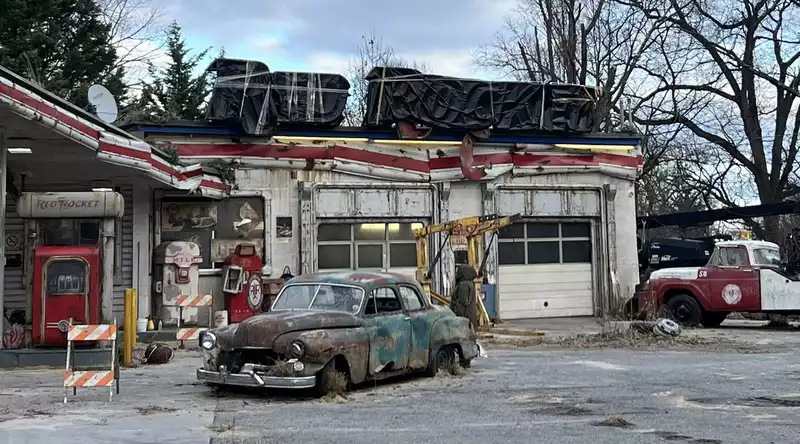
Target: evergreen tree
{"x": 175, "y": 93}
{"x": 63, "y": 45}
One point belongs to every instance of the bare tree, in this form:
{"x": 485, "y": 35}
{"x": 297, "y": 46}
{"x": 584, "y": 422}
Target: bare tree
{"x": 587, "y": 42}
{"x": 371, "y": 52}
{"x": 728, "y": 74}
{"x": 138, "y": 31}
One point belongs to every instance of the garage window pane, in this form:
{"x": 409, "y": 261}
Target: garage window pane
{"x": 370, "y": 232}
{"x": 333, "y": 232}
{"x": 402, "y": 231}
{"x": 577, "y": 251}
{"x": 539, "y": 230}
{"x": 370, "y": 256}
{"x": 333, "y": 256}
{"x": 575, "y": 230}
{"x": 402, "y": 255}
{"x": 543, "y": 253}
{"x": 511, "y": 253}
{"x": 515, "y": 231}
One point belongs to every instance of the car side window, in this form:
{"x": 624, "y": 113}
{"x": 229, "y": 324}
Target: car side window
{"x": 382, "y": 300}
{"x": 734, "y": 257}
{"x": 411, "y": 298}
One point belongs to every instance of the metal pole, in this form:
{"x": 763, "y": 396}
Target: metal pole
{"x": 3, "y": 184}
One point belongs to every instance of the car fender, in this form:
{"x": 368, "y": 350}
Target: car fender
{"x": 322, "y": 345}
{"x": 695, "y": 288}
{"x": 452, "y": 329}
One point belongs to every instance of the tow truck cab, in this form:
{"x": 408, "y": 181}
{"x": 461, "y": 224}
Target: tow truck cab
{"x": 741, "y": 275}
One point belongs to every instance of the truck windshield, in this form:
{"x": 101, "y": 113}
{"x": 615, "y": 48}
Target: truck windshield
{"x": 766, "y": 256}
{"x": 322, "y": 297}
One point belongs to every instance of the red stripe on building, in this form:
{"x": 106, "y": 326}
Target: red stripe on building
{"x": 48, "y": 110}
{"x": 273, "y": 151}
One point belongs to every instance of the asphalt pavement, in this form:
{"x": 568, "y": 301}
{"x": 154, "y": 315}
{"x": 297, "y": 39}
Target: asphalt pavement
{"x": 522, "y": 395}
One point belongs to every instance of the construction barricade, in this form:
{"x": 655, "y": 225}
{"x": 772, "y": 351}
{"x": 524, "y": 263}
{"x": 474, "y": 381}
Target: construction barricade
{"x": 91, "y": 376}
{"x": 192, "y": 333}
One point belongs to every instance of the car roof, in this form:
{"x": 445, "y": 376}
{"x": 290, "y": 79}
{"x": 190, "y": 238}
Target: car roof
{"x": 752, "y": 243}
{"x": 354, "y": 277}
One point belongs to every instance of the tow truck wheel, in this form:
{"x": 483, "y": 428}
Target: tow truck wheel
{"x": 685, "y": 310}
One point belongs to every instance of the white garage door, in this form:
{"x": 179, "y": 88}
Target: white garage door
{"x": 545, "y": 270}
{"x": 367, "y": 246}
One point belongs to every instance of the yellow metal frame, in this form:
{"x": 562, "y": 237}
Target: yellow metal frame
{"x": 473, "y": 229}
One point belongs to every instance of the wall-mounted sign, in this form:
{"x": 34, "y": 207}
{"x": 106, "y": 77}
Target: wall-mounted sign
{"x": 70, "y": 205}
{"x": 222, "y": 248}
{"x": 14, "y": 241}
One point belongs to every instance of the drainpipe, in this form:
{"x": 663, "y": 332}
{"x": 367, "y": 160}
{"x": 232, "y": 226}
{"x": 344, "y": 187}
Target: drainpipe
{"x": 3, "y": 182}
{"x": 107, "y": 286}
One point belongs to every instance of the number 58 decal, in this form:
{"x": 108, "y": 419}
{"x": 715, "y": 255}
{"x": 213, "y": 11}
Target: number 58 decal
{"x": 702, "y": 273}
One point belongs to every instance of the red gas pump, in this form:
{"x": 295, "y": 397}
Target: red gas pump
{"x": 66, "y": 284}
{"x": 244, "y": 291}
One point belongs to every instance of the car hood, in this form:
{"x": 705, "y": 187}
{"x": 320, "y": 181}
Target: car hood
{"x": 686, "y": 273}
{"x": 262, "y": 330}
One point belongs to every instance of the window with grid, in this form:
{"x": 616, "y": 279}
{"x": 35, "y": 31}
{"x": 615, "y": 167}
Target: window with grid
{"x": 534, "y": 243}
{"x": 366, "y": 246}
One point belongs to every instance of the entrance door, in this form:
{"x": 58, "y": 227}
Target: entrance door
{"x": 733, "y": 282}
{"x": 389, "y": 330}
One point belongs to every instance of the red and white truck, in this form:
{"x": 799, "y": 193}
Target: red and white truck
{"x": 740, "y": 276}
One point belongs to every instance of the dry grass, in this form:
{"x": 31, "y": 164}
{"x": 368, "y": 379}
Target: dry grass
{"x": 220, "y": 428}
{"x": 614, "y": 421}
{"x": 149, "y": 410}
{"x": 281, "y": 368}
{"x": 336, "y": 388}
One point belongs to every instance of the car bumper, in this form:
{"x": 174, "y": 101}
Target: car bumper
{"x": 249, "y": 380}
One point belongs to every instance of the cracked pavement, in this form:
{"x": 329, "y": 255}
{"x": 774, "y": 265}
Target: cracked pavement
{"x": 552, "y": 395}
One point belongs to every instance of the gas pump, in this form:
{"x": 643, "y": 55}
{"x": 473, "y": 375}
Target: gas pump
{"x": 176, "y": 274}
{"x": 66, "y": 285}
{"x": 242, "y": 285}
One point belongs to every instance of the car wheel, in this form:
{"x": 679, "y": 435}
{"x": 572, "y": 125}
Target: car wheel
{"x": 685, "y": 310}
{"x": 712, "y": 319}
{"x": 329, "y": 381}
{"x": 443, "y": 358}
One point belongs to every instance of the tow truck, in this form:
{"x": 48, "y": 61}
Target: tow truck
{"x": 740, "y": 276}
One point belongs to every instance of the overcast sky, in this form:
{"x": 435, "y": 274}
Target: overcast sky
{"x": 322, "y": 35}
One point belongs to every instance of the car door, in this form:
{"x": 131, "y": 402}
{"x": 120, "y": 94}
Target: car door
{"x": 389, "y": 330}
{"x": 419, "y": 314}
{"x": 732, "y": 281}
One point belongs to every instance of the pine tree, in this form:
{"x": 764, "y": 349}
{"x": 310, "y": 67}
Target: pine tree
{"x": 175, "y": 93}
{"x": 63, "y": 45}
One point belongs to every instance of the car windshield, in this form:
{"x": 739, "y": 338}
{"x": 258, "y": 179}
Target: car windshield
{"x": 323, "y": 297}
{"x": 766, "y": 256}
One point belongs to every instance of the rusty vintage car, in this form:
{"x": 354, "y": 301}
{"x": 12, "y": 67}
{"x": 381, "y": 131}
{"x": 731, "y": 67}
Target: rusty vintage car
{"x": 365, "y": 325}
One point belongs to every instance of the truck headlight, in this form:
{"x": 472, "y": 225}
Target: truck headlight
{"x": 298, "y": 349}
{"x": 208, "y": 341}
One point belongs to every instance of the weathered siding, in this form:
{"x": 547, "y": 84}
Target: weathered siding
{"x": 14, "y": 285}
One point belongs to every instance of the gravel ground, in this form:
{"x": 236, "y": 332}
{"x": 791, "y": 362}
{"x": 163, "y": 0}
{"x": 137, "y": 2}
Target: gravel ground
{"x": 544, "y": 394}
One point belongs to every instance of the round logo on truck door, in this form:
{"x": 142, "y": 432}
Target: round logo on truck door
{"x": 731, "y": 294}
{"x": 255, "y": 293}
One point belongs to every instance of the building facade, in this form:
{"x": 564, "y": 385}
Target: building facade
{"x": 332, "y": 204}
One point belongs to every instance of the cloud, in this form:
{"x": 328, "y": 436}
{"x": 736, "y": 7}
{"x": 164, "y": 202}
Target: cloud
{"x": 268, "y": 44}
{"x": 324, "y": 32}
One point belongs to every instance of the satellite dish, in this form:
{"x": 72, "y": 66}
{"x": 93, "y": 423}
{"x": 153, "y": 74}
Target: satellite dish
{"x": 105, "y": 104}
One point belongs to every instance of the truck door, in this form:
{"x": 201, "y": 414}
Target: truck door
{"x": 732, "y": 281}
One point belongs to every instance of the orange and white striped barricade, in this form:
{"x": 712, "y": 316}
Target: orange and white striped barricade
{"x": 90, "y": 376}
{"x": 192, "y": 333}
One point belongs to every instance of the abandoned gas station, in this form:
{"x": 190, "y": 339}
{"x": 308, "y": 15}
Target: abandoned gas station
{"x": 88, "y": 205}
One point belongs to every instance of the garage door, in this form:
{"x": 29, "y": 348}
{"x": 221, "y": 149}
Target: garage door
{"x": 367, "y": 246}
{"x": 545, "y": 270}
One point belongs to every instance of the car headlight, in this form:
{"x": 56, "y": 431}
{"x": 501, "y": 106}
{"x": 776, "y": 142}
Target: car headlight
{"x": 208, "y": 340}
{"x": 298, "y": 349}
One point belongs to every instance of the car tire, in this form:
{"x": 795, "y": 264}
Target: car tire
{"x": 713, "y": 319}
{"x": 685, "y": 310}
{"x": 442, "y": 358}
{"x": 324, "y": 376}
